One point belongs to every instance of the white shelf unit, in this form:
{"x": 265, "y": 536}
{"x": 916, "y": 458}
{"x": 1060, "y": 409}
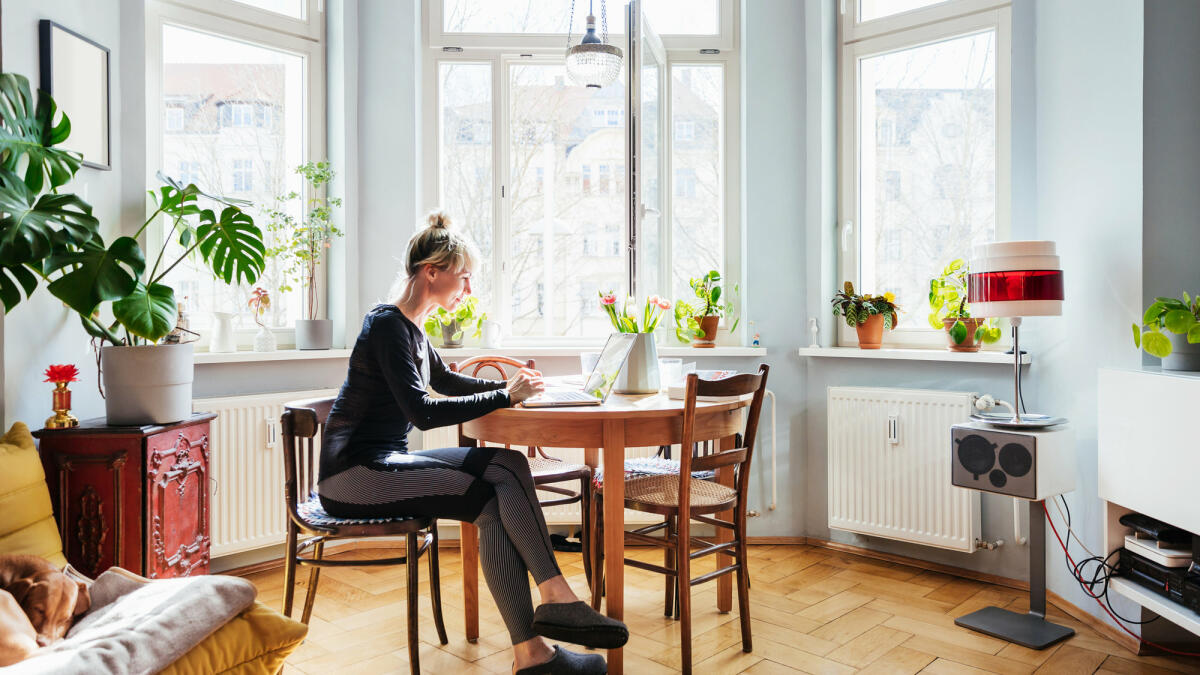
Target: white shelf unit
{"x": 1147, "y": 466}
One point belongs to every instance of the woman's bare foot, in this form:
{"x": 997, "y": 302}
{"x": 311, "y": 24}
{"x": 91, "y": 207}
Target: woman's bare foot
{"x": 557, "y": 590}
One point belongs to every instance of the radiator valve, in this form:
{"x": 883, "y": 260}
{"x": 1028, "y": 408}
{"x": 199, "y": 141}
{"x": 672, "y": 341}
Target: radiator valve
{"x": 752, "y": 514}
{"x": 989, "y": 545}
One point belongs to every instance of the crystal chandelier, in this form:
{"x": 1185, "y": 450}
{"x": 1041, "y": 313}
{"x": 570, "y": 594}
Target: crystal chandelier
{"x": 592, "y": 62}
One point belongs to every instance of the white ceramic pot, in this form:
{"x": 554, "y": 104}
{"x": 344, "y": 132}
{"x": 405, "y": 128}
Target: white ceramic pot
{"x": 149, "y": 384}
{"x": 222, "y": 338}
{"x": 640, "y": 373}
{"x": 314, "y": 333}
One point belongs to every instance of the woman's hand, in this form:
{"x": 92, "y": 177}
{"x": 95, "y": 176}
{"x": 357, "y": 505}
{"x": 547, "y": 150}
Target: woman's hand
{"x": 523, "y": 384}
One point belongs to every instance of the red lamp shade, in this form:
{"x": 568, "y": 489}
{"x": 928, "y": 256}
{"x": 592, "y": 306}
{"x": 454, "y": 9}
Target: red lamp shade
{"x": 1015, "y": 278}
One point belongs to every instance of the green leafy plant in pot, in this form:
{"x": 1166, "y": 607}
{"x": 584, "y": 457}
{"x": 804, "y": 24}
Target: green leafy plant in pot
{"x": 1170, "y": 328}
{"x": 868, "y": 314}
{"x": 949, "y": 311}
{"x": 300, "y": 244}
{"x": 52, "y": 237}
{"x": 451, "y": 326}
{"x": 698, "y": 320}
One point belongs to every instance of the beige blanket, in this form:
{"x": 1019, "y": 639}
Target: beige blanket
{"x": 136, "y": 625}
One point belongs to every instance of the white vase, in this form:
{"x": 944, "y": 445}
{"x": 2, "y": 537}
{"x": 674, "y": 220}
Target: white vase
{"x": 264, "y": 340}
{"x": 222, "y": 339}
{"x": 640, "y": 373}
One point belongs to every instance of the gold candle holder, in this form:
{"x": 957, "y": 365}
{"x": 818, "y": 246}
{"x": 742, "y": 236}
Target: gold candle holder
{"x": 62, "y": 417}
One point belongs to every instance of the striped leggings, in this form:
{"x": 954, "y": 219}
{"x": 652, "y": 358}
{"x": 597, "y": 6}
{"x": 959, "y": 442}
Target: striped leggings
{"x": 490, "y": 487}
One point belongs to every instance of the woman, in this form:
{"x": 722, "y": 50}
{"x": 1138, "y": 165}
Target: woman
{"x": 367, "y": 471}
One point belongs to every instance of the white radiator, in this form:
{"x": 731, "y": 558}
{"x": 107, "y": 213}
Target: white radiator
{"x": 246, "y": 464}
{"x": 889, "y": 466}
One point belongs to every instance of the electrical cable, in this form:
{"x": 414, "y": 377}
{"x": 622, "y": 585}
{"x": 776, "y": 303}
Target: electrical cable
{"x": 1102, "y": 572}
{"x": 1120, "y": 623}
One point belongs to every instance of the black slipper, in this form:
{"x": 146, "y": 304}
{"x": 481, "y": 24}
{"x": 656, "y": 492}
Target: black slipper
{"x": 578, "y": 623}
{"x": 566, "y": 662}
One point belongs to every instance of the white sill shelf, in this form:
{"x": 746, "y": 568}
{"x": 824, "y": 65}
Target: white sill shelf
{"x": 913, "y": 355}
{"x": 200, "y": 358}
{"x": 204, "y": 358}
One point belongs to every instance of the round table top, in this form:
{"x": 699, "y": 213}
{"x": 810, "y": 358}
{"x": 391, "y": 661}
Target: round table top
{"x": 621, "y": 406}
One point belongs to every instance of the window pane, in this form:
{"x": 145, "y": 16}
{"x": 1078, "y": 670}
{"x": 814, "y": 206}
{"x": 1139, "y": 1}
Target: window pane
{"x": 234, "y": 125}
{"x": 566, "y": 220}
{"x": 292, "y": 8}
{"x": 927, "y": 145}
{"x": 698, "y": 227}
{"x": 877, "y": 9}
{"x": 465, "y": 95}
{"x": 668, "y": 17}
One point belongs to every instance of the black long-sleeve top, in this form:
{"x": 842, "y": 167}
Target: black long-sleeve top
{"x": 384, "y": 395}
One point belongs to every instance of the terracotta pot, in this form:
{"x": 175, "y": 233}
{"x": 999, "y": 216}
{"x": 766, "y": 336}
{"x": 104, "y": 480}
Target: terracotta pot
{"x": 708, "y": 324}
{"x": 870, "y": 334}
{"x": 968, "y": 344}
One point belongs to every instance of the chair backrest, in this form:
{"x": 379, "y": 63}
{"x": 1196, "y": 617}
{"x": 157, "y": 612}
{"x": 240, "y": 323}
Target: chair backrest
{"x": 738, "y": 457}
{"x": 301, "y": 426}
{"x": 473, "y": 365}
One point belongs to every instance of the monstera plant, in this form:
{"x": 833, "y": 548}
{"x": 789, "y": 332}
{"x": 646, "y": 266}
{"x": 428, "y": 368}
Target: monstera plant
{"x": 52, "y": 237}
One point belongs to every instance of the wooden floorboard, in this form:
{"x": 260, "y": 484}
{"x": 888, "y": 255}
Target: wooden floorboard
{"x": 813, "y": 610}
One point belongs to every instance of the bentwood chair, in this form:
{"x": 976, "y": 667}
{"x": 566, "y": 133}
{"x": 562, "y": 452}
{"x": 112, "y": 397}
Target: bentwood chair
{"x": 302, "y": 424}
{"x": 546, "y": 470}
{"x": 683, "y": 497}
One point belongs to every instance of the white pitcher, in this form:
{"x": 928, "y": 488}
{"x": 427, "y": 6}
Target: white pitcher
{"x": 222, "y": 339}
{"x": 491, "y": 334}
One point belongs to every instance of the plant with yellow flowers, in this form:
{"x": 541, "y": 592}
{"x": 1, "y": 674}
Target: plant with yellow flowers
{"x": 856, "y": 309}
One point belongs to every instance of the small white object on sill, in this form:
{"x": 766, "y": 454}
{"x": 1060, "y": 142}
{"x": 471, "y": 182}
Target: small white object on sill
{"x": 911, "y": 354}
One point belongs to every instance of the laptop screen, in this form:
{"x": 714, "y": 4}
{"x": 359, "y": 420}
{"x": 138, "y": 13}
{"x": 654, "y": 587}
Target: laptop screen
{"x": 604, "y": 375}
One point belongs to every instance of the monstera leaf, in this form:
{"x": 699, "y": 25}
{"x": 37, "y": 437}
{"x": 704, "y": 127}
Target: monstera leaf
{"x": 92, "y": 274}
{"x": 10, "y": 278}
{"x": 147, "y": 312}
{"x": 28, "y": 133}
{"x": 29, "y": 223}
{"x": 232, "y": 246}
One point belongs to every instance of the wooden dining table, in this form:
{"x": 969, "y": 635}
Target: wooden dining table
{"x": 620, "y": 423}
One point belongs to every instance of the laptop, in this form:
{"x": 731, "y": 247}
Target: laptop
{"x": 598, "y": 385}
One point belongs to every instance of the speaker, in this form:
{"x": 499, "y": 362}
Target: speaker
{"x": 1031, "y": 464}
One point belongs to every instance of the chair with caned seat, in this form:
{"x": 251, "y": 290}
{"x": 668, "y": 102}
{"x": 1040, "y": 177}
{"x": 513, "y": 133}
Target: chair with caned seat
{"x": 302, "y": 424}
{"x": 683, "y": 496}
{"x": 546, "y": 469}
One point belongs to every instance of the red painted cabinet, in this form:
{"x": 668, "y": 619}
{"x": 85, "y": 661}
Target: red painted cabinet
{"x": 134, "y": 497}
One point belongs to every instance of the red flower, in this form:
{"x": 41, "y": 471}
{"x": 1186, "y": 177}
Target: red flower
{"x": 609, "y": 299}
{"x": 66, "y": 372}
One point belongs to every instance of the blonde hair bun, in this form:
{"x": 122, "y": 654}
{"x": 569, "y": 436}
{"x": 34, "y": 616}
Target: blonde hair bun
{"x": 439, "y": 220}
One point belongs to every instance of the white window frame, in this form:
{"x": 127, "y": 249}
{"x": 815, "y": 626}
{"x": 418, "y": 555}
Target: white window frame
{"x": 499, "y": 51}
{"x": 857, "y": 40}
{"x": 233, "y": 20}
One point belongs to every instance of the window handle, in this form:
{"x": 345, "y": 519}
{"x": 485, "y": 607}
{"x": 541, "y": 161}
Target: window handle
{"x": 847, "y": 233}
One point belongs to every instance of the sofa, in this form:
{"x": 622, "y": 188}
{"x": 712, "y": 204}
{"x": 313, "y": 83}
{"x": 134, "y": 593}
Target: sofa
{"x": 256, "y": 640}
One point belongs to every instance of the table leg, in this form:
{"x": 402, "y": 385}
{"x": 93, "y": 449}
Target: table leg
{"x": 725, "y": 581}
{"x": 591, "y": 457}
{"x": 469, "y": 541}
{"x": 614, "y": 529}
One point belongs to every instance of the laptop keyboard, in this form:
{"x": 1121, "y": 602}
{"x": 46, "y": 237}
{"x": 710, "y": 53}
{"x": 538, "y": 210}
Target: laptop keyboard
{"x": 567, "y": 396}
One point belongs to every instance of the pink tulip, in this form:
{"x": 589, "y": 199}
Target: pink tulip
{"x": 609, "y": 299}
{"x": 664, "y": 304}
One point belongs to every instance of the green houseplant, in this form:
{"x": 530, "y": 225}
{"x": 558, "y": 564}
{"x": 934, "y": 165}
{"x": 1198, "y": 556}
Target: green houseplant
{"x": 949, "y": 311}
{"x": 697, "y": 320}
{"x": 1179, "y": 318}
{"x": 51, "y": 237}
{"x": 868, "y": 314}
{"x": 451, "y": 326}
{"x": 300, "y": 245}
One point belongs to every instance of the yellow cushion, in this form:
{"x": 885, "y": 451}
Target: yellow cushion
{"x": 258, "y": 640}
{"x": 26, "y": 516}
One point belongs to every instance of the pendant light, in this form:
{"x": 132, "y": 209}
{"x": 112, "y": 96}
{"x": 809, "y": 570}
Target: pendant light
{"x": 592, "y": 62}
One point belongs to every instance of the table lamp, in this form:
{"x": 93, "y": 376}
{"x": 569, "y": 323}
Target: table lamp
{"x": 1016, "y": 279}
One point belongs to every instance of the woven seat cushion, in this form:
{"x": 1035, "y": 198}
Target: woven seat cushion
{"x": 636, "y": 467}
{"x": 664, "y": 491}
{"x": 542, "y": 466}
{"x": 312, "y": 512}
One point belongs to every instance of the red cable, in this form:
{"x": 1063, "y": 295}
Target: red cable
{"x": 1097, "y": 598}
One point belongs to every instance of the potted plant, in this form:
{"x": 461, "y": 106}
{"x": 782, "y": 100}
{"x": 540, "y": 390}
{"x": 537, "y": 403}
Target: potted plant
{"x": 640, "y": 374}
{"x": 260, "y": 302}
{"x": 300, "y": 245}
{"x": 868, "y": 314}
{"x": 451, "y": 326}
{"x": 51, "y": 236}
{"x": 1180, "y": 318}
{"x": 697, "y": 321}
{"x": 948, "y": 311}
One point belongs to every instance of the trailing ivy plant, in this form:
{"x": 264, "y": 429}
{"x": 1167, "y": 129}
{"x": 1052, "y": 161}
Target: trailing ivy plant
{"x": 948, "y": 300}
{"x": 51, "y": 237}
{"x": 1179, "y": 316}
{"x": 856, "y": 309}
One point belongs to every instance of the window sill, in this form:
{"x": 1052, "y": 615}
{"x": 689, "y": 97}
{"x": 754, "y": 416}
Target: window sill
{"x": 992, "y": 357}
{"x": 576, "y": 350}
{"x": 202, "y": 358}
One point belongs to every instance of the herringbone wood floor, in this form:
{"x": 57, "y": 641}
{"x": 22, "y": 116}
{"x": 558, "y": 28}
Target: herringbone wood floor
{"x": 813, "y": 610}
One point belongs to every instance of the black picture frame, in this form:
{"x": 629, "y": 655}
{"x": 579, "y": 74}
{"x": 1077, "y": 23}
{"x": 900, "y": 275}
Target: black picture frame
{"x": 70, "y": 77}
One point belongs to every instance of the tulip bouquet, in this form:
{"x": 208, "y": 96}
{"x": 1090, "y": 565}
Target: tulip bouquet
{"x": 625, "y": 320}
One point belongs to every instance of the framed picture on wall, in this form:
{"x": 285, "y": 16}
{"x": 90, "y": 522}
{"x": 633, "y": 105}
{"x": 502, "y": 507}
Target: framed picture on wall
{"x": 74, "y": 71}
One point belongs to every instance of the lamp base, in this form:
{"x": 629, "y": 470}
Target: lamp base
{"x": 1027, "y": 630}
{"x": 1026, "y": 421}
